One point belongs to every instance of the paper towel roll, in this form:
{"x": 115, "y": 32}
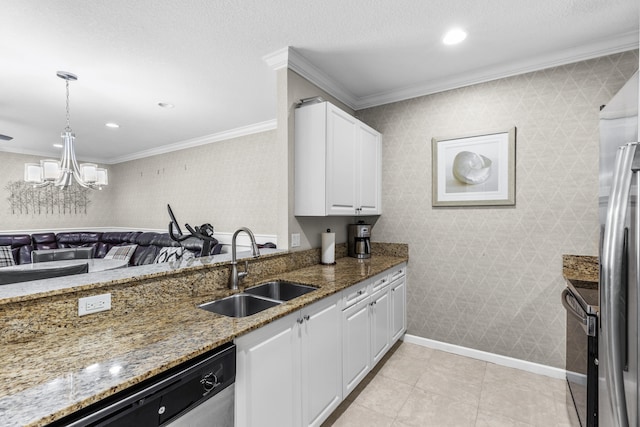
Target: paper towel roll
{"x": 328, "y": 248}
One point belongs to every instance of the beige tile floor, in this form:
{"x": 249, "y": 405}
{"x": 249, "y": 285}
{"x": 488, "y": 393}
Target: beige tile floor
{"x": 418, "y": 386}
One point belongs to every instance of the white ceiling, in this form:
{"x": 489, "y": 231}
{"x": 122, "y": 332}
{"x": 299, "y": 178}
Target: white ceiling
{"x": 207, "y": 58}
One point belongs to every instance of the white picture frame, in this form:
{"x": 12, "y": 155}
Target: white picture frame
{"x": 475, "y": 170}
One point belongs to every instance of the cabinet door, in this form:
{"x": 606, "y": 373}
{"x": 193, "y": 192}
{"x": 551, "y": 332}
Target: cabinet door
{"x": 398, "y": 309}
{"x": 341, "y": 162}
{"x": 356, "y": 345}
{"x": 321, "y": 360}
{"x": 267, "y": 371}
{"x": 380, "y": 307}
{"x": 310, "y": 160}
{"x": 370, "y": 171}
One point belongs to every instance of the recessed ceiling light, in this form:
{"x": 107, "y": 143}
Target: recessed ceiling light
{"x": 112, "y": 125}
{"x": 57, "y": 145}
{"x": 454, "y": 36}
{"x": 165, "y": 105}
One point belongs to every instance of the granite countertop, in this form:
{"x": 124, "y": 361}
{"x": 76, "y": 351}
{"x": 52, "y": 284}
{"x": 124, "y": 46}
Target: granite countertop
{"x": 581, "y": 267}
{"x": 59, "y": 373}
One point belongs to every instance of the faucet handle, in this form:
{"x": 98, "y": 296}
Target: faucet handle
{"x": 242, "y": 274}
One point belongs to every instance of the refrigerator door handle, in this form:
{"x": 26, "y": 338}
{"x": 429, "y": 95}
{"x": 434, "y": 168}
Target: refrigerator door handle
{"x": 611, "y": 280}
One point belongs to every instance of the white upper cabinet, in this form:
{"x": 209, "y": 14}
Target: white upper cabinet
{"x": 369, "y": 156}
{"x": 338, "y": 163}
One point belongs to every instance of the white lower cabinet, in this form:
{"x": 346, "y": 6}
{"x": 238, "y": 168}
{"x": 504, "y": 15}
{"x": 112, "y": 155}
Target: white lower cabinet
{"x": 380, "y": 312}
{"x": 321, "y": 361}
{"x": 289, "y": 372}
{"x": 297, "y": 370}
{"x": 356, "y": 344}
{"x": 398, "y": 306}
{"x": 373, "y": 319}
{"x": 266, "y": 364}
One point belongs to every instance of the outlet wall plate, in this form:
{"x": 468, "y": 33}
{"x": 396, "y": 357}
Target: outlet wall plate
{"x": 295, "y": 240}
{"x": 94, "y": 304}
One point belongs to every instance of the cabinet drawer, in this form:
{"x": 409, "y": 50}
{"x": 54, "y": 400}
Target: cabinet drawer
{"x": 379, "y": 282}
{"x": 398, "y": 272}
{"x": 355, "y": 293}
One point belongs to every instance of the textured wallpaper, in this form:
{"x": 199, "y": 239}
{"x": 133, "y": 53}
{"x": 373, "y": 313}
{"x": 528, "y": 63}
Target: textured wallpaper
{"x": 226, "y": 183}
{"x": 491, "y": 278}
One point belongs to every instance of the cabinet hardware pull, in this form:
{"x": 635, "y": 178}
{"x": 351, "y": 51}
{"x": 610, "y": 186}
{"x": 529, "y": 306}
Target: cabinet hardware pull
{"x": 306, "y": 317}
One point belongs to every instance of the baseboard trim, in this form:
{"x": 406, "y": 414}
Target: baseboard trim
{"x": 498, "y": 359}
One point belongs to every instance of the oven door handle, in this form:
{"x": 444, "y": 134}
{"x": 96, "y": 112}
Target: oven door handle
{"x": 587, "y": 322}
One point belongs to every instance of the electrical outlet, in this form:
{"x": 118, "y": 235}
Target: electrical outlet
{"x": 295, "y": 240}
{"x": 94, "y": 304}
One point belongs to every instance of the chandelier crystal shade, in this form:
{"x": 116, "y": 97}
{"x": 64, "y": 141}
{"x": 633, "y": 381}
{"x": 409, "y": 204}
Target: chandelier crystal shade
{"x": 63, "y": 172}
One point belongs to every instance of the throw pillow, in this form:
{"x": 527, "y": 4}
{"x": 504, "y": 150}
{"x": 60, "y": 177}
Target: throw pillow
{"x": 121, "y": 252}
{"x": 167, "y": 254}
{"x": 6, "y": 257}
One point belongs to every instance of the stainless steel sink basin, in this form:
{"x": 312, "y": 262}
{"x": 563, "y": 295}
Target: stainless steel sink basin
{"x": 280, "y": 290}
{"x": 239, "y": 305}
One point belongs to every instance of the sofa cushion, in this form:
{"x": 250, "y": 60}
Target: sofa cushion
{"x": 44, "y": 241}
{"x": 78, "y": 239}
{"x": 20, "y": 247}
{"x": 6, "y": 256}
{"x": 146, "y": 252}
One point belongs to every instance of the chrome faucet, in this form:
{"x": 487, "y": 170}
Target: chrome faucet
{"x": 235, "y": 275}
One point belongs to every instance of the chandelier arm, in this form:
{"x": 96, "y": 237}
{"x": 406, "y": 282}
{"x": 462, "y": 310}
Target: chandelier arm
{"x": 41, "y": 185}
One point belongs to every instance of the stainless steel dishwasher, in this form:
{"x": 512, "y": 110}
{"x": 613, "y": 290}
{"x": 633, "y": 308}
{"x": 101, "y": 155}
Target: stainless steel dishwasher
{"x": 197, "y": 393}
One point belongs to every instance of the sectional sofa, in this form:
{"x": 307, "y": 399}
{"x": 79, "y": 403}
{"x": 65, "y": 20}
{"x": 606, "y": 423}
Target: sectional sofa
{"x": 148, "y": 244}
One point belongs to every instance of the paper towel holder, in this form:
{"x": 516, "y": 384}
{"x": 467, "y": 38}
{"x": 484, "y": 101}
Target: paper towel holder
{"x": 328, "y": 244}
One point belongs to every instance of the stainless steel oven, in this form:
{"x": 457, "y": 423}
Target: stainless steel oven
{"x": 580, "y": 299}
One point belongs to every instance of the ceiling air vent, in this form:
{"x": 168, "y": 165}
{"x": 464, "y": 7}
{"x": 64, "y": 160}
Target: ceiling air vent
{"x": 5, "y": 137}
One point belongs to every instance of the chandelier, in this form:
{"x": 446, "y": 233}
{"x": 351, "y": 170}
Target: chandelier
{"x": 61, "y": 173}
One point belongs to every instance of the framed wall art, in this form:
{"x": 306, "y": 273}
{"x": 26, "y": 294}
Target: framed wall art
{"x": 477, "y": 170}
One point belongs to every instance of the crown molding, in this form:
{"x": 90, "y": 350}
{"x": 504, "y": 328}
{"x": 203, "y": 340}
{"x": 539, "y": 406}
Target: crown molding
{"x": 189, "y": 143}
{"x": 195, "y": 142}
{"x": 619, "y": 44}
{"x": 289, "y": 57}
{"x": 278, "y": 59}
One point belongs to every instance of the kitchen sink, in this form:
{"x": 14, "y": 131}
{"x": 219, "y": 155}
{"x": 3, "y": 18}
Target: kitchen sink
{"x": 239, "y": 305}
{"x": 280, "y": 290}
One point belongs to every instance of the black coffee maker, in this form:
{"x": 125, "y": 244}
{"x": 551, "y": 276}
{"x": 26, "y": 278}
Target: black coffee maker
{"x": 359, "y": 240}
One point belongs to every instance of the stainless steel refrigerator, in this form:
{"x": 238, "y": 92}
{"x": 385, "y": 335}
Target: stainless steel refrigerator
{"x": 619, "y": 260}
